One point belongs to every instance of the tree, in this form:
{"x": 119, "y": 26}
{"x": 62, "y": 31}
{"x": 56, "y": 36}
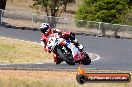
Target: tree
{"x": 53, "y": 8}
{"x": 109, "y": 11}
{"x": 2, "y": 6}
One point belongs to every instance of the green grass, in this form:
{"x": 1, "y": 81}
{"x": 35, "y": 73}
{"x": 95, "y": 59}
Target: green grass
{"x": 12, "y": 51}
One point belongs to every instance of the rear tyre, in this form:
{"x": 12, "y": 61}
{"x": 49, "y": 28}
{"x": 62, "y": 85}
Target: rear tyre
{"x": 86, "y": 60}
{"x": 66, "y": 58}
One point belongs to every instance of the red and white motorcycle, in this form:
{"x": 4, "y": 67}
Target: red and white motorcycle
{"x": 67, "y": 51}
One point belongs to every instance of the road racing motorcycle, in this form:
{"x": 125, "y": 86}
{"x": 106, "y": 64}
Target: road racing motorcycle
{"x": 67, "y": 51}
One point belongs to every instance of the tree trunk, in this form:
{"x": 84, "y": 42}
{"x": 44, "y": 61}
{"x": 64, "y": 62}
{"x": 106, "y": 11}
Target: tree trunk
{"x": 52, "y": 21}
{"x": 54, "y": 11}
{"x": 0, "y": 16}
{"x": 2, "y": 6}
{"x": 65, "y": 5}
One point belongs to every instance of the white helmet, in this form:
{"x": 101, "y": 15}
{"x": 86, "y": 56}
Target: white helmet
{"x": 45, "y": 27}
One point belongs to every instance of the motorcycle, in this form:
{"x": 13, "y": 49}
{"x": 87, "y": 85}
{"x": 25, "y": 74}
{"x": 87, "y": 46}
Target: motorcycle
{"x": 67, "y": 51}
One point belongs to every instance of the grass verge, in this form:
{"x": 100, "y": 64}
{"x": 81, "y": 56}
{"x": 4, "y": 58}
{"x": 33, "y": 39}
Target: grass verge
{"x": 37, "y": 79}
{"x": 14, "y": 51}
{"x": 9, "y": 78}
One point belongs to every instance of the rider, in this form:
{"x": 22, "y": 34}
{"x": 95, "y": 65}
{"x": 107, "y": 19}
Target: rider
{"x": 47, "y": 31}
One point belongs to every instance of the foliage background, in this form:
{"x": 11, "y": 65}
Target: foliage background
{"x": 110, "y": 11}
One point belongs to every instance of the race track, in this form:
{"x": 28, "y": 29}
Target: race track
{"x": 115, "y": 53}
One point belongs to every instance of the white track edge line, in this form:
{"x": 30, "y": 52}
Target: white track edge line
{"x": 19, "y": 40}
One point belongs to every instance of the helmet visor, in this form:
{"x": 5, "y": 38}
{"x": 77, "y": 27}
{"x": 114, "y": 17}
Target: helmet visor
{"x": 43, "y": 30}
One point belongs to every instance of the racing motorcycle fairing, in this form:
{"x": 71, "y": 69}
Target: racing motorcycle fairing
{"x": 66, "y": 48}
{"x": 75, "y": 51}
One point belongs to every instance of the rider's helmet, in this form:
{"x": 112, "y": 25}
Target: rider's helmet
{"x": 45, "y": 28}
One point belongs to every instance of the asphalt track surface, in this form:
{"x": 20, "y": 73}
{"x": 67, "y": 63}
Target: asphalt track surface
{"x": 116, "y": 54}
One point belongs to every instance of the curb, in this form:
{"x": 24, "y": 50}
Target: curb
{"x": 20, "y": 40}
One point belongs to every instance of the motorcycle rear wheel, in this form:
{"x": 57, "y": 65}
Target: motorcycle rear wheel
{"x": 65, "y": 57}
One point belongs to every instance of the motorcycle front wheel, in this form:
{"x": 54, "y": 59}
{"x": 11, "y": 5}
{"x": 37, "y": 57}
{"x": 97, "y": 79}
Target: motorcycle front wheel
{"x": 86, "y": 60}
{"x": 68, "y": 59}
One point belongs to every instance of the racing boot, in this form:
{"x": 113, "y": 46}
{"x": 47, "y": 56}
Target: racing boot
{"x": 79, "y": 46}
{"x": 56, "y": 59}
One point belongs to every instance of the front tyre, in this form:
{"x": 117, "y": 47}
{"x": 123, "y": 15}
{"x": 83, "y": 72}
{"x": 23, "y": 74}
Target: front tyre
{"x": 66, "y": 58}
{"x": 86, "y": 60}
